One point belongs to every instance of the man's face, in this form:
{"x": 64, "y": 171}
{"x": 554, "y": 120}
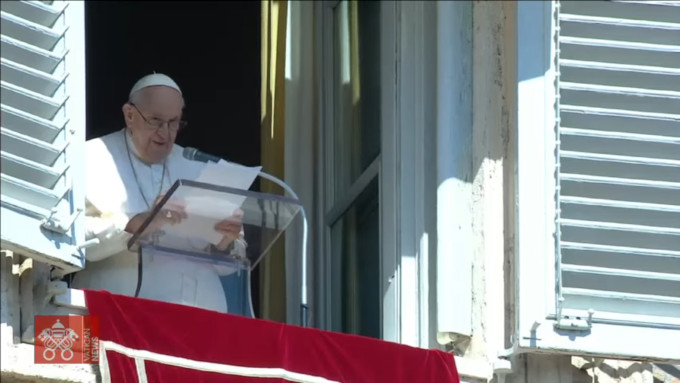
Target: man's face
{"x": 153, "y": 121}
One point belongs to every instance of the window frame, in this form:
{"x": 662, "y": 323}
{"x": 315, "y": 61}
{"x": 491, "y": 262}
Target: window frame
{"x": 536, "y": 247}
{"x": 383, "y": 167}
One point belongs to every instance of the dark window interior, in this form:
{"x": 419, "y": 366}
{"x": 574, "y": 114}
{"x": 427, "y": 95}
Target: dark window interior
{"x": 211, "y": 49}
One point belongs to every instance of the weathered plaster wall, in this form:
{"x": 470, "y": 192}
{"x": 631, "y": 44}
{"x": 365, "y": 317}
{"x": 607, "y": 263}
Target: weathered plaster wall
{"x": 16, "y": 358}
{"x": 493, "y": 116}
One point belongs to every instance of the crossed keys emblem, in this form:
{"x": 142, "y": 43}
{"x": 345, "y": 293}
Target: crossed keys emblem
{"x": 58, "y": 337}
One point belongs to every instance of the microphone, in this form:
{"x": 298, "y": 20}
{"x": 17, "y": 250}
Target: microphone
{"x": 194, "y": 154}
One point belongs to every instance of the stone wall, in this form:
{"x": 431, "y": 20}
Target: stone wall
{"x": 20, "y": 298}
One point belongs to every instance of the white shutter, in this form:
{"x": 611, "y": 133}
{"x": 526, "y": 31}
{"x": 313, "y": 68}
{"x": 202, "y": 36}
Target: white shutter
{"x": 619, "y": 160}
{"x": 43, "y": 130}
{"x": 598, "y": 178}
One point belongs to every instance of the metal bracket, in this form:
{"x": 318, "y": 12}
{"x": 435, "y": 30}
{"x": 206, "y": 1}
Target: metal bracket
{"x": 88, "y": 243}
{"x": 56, "y": 225}
{"x": 573, "y": 322}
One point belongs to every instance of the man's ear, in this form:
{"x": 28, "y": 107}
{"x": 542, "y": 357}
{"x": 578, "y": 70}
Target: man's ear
{"x": 127, "y": 113}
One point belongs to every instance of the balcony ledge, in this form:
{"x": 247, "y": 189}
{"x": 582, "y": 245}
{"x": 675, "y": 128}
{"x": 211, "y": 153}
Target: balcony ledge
{"x": 17, "y": 366}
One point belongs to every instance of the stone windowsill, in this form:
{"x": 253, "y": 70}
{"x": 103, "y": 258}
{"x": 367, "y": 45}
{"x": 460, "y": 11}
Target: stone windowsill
{"x": 18, "y": 366}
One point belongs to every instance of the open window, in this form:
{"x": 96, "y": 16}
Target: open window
{"x": 354, "y": 108}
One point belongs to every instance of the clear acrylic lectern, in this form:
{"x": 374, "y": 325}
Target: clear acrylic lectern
{"x": 192, "y": 245}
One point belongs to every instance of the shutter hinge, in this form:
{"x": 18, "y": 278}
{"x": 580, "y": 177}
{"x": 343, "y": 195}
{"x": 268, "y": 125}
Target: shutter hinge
{"x": 573, "y": 322}
{"x": 57, "y": 225}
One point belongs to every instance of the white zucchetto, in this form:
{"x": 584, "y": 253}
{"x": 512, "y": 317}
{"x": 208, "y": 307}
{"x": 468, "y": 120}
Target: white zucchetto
{"x": 154, "y": 79}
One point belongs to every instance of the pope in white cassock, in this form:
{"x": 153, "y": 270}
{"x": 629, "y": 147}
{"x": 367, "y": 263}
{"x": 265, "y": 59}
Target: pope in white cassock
{"x": 127, "y": 173}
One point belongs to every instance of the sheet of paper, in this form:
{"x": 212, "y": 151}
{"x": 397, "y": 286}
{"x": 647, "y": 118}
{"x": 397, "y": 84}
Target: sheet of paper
{"x": 229, "y": 174}
{"x": 205, "y": 208}
{"x": 196, "y": 227}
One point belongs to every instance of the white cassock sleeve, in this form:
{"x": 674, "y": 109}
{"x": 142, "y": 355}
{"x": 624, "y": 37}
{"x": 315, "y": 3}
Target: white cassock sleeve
{"x": 110, "y": 230}
{"x": 105, "y": 218}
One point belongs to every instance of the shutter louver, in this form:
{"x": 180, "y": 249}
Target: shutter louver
{"x": 619, "y": 160}
{"x": 41, "y": 135}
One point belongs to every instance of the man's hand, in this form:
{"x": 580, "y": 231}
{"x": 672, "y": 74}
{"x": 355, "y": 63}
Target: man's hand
{"x": 173, "y": 204}
{"x": 172, "y": 213}
{"x": 230, "y": 229}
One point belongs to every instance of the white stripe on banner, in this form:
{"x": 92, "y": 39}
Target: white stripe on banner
{"x": 142, "y": 355}
{"x": 141, "y": 370}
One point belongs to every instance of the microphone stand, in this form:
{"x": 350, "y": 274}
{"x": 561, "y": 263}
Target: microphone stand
{"x": 304, "y": 307}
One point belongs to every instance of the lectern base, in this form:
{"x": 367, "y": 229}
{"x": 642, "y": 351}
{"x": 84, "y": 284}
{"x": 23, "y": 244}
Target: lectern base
{"x": 194, "y": 279}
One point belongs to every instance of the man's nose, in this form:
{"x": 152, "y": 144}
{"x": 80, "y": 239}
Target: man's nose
{"x": 163, "y": 131}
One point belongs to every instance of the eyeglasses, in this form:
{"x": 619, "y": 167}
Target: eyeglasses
{"x": 156, "y": 123}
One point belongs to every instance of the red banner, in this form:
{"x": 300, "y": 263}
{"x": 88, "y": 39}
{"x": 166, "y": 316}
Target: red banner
{"x": 166, "y": 342}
